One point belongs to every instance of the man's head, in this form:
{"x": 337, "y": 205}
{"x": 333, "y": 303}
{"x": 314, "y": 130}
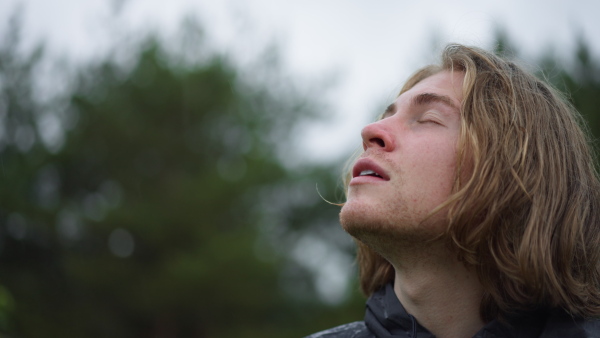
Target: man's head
{"x": 507, "y": 179}
{"x": 408, "y": 165}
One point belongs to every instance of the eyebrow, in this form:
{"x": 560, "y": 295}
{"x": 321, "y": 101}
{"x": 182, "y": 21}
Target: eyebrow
{"x": 426, "y": 98}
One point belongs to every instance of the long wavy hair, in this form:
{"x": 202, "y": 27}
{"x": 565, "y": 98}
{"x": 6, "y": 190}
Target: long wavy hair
{"x": 527, "y": 217}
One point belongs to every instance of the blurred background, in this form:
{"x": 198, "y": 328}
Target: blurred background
{"x": 166, "y": 167}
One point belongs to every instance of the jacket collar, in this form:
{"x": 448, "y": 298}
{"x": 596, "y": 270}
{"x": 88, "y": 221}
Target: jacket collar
{"x": 386, "y": 318}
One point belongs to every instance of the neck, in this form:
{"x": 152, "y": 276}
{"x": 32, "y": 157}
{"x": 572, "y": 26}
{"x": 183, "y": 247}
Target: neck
{"x": 439, "y": 291}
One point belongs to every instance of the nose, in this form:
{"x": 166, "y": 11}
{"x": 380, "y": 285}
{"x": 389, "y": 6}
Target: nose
{"x": 376, "y": 136}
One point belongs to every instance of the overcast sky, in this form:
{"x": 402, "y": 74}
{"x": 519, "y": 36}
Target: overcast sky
{"x": 371, "y": 46}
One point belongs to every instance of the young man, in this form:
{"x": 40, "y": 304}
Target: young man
{"x": 476, "y": 209}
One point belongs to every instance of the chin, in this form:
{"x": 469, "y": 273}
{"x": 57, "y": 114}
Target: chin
{"x": 359, "y": 220}
{"x": 374, "y": 224}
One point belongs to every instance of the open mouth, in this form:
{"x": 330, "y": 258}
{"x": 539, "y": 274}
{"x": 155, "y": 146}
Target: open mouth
{"x": 369, "y": 172}
{"x": 366, "y": 167}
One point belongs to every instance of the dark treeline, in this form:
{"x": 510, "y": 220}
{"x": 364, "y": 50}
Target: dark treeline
{"x": 151, "y": 197}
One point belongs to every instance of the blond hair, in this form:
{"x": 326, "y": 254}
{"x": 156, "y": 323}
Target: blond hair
{"x": 527, "y": 217}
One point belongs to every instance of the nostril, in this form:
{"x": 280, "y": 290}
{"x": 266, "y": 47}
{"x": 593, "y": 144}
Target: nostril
{"x": 378, "y": 141}
{"x": 376, "y": 135}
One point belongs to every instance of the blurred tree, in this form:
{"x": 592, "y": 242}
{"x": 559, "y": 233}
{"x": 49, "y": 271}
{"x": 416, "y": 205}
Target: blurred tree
{"x": 153, "y": 201}
{"x": 21, "y": 156}
{"x": 579, "y": 79}
{"x": 576, "y": 75}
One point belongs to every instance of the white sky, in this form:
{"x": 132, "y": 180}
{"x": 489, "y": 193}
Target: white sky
{"x": 372, "y": 46}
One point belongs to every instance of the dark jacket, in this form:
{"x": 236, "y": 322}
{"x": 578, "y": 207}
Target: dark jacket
{"x": 385, "y": 317}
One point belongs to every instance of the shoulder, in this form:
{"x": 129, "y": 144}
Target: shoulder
{"x": 352, "y": 330}
{"x": 591, "y": 327}
{"x": 566, "y": 326}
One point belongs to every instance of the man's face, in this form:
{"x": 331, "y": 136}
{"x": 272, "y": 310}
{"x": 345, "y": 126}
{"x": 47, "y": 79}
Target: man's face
{"x": 408, "y": 166}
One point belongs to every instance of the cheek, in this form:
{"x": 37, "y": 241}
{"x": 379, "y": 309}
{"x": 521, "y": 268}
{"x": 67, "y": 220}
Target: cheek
{"x": 439, "y": 157}
{"x": 438, "y": 171}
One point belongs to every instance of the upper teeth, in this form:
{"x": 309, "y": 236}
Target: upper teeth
{"x": 367, "y": 172}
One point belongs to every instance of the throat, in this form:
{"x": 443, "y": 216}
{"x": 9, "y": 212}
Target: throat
{"x": 423, "y": 290}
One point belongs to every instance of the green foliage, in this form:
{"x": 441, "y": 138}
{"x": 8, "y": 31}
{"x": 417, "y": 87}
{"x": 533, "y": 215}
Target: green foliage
{"x": 160, "y": 207}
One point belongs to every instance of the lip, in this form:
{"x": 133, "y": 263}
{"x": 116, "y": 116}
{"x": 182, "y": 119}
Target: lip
{"x": 367, "y": 164}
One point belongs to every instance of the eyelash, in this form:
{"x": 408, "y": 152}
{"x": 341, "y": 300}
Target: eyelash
{"x": 429, "y": 121}
{"x": 428, "y": 118}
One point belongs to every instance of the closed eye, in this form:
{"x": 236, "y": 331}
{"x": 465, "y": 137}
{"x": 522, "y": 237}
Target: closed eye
{"x": 430, "y": 117}
{"x": 425, "y": 121}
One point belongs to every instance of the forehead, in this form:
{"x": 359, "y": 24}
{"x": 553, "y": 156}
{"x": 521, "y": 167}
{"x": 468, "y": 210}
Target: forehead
{"x": 445, "y": 83}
